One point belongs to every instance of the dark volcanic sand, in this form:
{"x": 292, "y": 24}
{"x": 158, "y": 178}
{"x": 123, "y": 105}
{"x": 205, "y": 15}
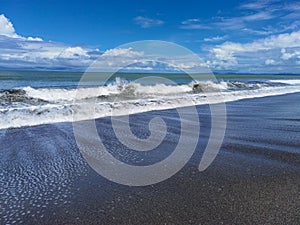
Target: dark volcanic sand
{"x": 255, "y": 179}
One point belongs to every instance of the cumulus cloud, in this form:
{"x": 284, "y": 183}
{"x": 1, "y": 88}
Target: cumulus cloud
{"x": 120, "y": 58}
{"x": 73, "y": 52}
{"x": 279, "y": 41}
{"x": 123, "y": 52}
{"x": 242, "y": 55}
{"x": 32, "y": 53}
{"x": 279, "y": 53}
{"x": 7, "y": 28}
{"x": 289, "y": 55}
{"x": 34, "y": 39}
{"x": 130, "y": 59}
{"x": 17, "y": 51}
{"x": 146, "y": 22}
{"x": 270, "y": 62}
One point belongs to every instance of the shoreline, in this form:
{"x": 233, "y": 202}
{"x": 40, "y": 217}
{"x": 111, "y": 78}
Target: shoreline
{"x": 163, "y": 108}
{"x": 254, "y": 179}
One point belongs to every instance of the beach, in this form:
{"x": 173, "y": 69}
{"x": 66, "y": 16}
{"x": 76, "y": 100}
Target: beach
{"x": 254, "y": 179}
{"x": 150, "y": 112}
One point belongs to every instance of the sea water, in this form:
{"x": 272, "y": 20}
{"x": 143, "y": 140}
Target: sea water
{"x": 30, "y": 98}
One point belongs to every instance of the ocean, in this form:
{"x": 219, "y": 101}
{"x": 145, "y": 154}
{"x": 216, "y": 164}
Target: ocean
{"x": 31, "y": 98}
{"x": 44, "y": 178}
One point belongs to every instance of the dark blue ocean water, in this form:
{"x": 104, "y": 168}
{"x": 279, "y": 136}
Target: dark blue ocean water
{"x": 43, "y": 79}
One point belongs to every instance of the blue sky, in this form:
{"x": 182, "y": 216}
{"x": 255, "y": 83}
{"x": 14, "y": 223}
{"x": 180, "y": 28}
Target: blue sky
{"x": 230, "y": 36}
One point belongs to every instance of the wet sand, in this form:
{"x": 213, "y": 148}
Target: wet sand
{"x": 255, "y": 179}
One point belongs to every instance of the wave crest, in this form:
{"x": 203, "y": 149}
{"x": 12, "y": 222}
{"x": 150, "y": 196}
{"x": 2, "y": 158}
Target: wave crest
{"x": 32, "y": 106}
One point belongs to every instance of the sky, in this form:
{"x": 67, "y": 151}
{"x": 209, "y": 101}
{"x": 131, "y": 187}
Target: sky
{"x": 260, "y": 36}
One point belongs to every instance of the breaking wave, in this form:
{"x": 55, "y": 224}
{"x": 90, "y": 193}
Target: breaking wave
{"x": 33, "y": 106}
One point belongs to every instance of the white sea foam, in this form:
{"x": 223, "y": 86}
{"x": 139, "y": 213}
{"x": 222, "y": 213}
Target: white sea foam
{"x": 29, "y": 106}
{"x": 287, "y": 81}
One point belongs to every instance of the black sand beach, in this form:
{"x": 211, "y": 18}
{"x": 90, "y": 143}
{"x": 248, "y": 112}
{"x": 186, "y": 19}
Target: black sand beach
{"x": 255, "y": 179}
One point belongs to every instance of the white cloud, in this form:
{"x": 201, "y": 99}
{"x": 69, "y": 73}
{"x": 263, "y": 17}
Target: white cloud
{"x": 251, "y": 18}
{"x": 123, "y": 52}
{"x": 270, "y": 62}
{"x": 74, "y": 52}
{"x": 34, "y": 39}
{"x": 213, "y": 39}
{"x": 241, "y": 22}
{"x": 123, "y": 59}
{"x": 193, "y": 24}
{"x": 186, "y": 65}
{"x": 234, "y": 23}
{"x": 137, "y": 68}
{"x": 279, "y": 41}
{"x": 289, "y": 55}
{"x": 292, "y": 6}
{"x": 237, "y": 55}
{"x": 277, "y": 51}
{"x": 20, "y": 52}
{"x": 256, "y": 5}
{"x": 7, "y": 28}
{"x": 146, "y": 22}
{"x": 28, "y": 52}
{"x": 257, "y": 16}
{"x": 128, "y": 59}
{"x": 17, "y": 51}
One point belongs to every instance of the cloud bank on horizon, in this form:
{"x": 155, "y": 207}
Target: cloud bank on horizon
{"x": 271, "y": 48}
